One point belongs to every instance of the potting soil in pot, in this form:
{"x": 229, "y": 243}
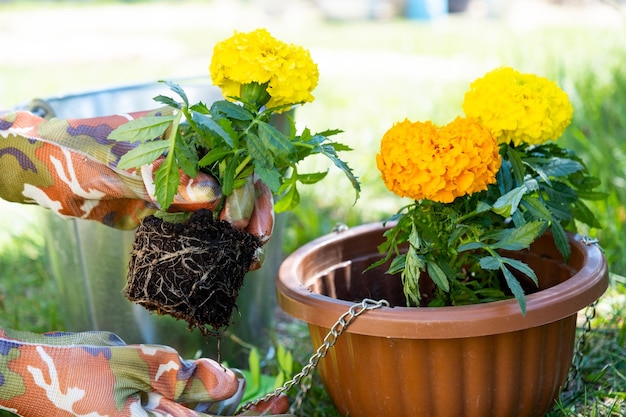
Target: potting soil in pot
{"x": 191, "y": 271}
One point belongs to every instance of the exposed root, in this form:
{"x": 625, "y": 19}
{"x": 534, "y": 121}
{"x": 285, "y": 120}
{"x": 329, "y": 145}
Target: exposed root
{"x": 191, "y": 271}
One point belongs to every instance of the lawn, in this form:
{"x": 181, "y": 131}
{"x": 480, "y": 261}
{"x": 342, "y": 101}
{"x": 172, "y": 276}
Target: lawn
{"x": 372, "y": 73}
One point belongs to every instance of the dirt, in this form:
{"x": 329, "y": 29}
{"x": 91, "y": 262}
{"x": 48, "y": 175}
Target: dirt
{"x": 192, "y": 271}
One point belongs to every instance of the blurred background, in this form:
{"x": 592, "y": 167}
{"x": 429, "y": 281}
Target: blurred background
{"x": 380, "y": 61}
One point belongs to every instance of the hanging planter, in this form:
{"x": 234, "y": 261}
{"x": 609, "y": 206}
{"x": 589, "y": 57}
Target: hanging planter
{"x": 476, "y": 360}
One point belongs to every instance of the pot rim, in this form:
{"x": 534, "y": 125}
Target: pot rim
{"x": 546, "y": 306}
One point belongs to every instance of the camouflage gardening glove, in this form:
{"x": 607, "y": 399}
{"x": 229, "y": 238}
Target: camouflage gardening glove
{"x": 70, "y": 167}
{"x": 95, "y": 374}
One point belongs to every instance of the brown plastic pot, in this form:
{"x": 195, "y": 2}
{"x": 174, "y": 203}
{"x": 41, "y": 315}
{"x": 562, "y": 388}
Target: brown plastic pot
{"x": 477, "y": 360}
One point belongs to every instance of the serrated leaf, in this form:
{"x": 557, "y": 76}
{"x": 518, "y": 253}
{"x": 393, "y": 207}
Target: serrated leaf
{"x": 186, "y": 159}
{"x": 269, "y": 176}
{"x": 166, "y": 180}
{"x": 518, "y": 238}
{"x": 561, "y": 167}
{"x": 168, "y": 101}
{"x": 232, "y": 110}
{"x": 261, "y": 156}
{"x": 143, "y": 129}
{"x": 330, "y": 153}
{"x": 516, "y": 288}
{"x": 490, "y": 263}
{"x": 536, "y": 208}
{"x": 206, "y": 122}
{"x": 143, "y": 154}
{"x": 178, "y": 90}
{"x": 584, "y": 215}
{"x": 560, "y": 240}
{"x": 522, "y": 267}
{"x": 275, "y": 141}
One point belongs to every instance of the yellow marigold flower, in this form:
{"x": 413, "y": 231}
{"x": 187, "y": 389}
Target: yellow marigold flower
{"x": 519, "y": 107}
{"x": 422, "y": 161}
{"x": 257, "y": 57}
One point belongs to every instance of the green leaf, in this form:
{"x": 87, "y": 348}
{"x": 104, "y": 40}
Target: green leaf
{"x": 411, "y": 275}
{"x": 312, "y": 178}
{"x": 490, "y": 263}
{"x": 522, "y": 267}
{"x": 214, "y": 155}
{"x": 536, "y": 208}
{"x": 438, "y": 276}
{"x": 168, "y": 101}
{"x": 260, "y": 154}
{"x": 515, "y": 287}
{"x": 583, "y": 214}
{"x": 329, "y": 152}
{"x": 178, "y": 90}
{"x": 206, "y": 122}
{"x": 560, "y": 240}
{"x": 180, "y": 217}
{"x": 143, "y": 129}
{"x": 517, "y": 166}
{"x": 232, "y": 110}
{"x": 275, "y": 141}
{"x": 561, "y": 167}
{"x": 186, "y": 158}
{"x": 143, "y": 154}
{"x": 166, "y": 180}
{"x": 288, "y": 201}
{"x": 269, "y": 176}
{"x": 254, "y": 363}
{"x": 471, "y": 246}
{"x": 517, "y": 238}
{"x": 397, "y": 264}
{"x": 228, "y": 176}
{"x": 507, "y": 204}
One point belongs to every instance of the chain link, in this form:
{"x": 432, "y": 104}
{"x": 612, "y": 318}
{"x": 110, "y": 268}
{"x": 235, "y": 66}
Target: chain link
{"x": 574, "y": 379}
{"x": 304, "y": 377}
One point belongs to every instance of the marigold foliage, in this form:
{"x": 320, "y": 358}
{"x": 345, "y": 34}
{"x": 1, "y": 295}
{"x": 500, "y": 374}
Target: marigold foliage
{"x": 422, "y": 161}
{"x": 519, "y": 108}
{"x": 287, "y": 70}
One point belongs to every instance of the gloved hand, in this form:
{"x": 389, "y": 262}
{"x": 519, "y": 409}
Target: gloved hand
{"x": 70, "y": 167}
{"x": 96, "y": 374}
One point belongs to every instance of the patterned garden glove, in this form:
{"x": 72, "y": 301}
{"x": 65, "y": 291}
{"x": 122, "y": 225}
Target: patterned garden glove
{"x": 95, "y": 374}
{"x": 70, "y": 166}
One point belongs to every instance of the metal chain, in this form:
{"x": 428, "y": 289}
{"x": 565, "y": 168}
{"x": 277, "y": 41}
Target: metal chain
{"x": 574, "y": 377}
{"x": 304, "y": 377}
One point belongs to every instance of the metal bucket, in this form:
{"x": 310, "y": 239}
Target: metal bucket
{"x": 89, "y": 260}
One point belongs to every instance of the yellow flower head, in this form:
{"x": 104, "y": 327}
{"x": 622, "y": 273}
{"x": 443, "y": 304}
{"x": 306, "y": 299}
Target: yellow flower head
{"x": 422, "y": 161}
{"x": 518, "y": 107}
{"x": 256, "y": 57}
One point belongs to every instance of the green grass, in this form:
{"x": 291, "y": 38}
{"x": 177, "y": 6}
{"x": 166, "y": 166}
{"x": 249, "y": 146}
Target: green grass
{"x": 371, "y": 75}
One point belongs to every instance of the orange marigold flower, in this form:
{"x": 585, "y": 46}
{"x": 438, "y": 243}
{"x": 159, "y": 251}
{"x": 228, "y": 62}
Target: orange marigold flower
{"x": 422, "y": 161}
